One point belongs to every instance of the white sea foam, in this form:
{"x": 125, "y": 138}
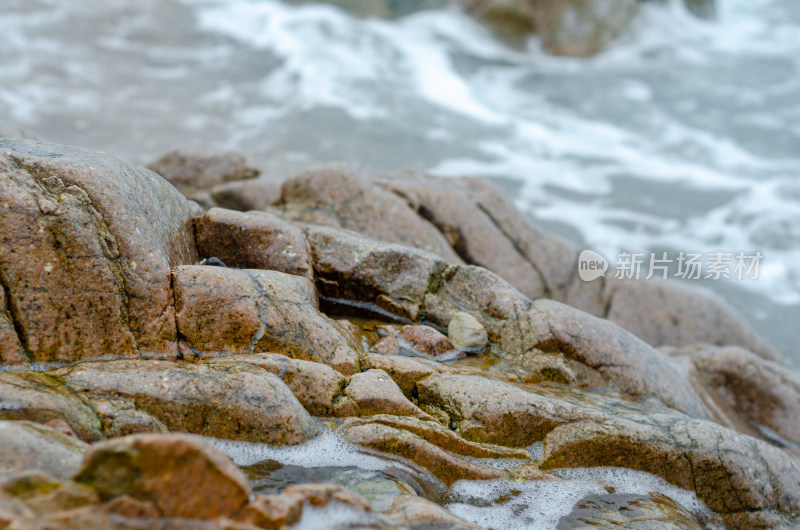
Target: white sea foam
{"x": 541, "y": 504}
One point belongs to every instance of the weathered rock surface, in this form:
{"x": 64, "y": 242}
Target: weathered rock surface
{"x": 86, "y": 248}
{"x": 39, "y": 398}
{"x": 576, "y": 28}
{"x": 405, "y": 371}
{"x": 741, "y": 478}
{"x": 315, "y": 385}
{"x": 180, "y": 475}
{"x": 233, "y": 401}
{"x": 253, "y": 240}
{"x": 409, "y": 511}
{"x": 334, "y": 195}
{"x": 222, "y": 310}
{"x": 43, "y": 494}
{"x": 630, "y": 511}
{"x": 444, "y": 465}
{"x": 195, "y": 172}
{"x": 425, "y": 341}
{"x": 758, "y": 397}
{"x": 28, "y": 447}
{"x": 374, "y": 392}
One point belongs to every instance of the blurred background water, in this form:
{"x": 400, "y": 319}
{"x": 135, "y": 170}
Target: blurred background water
{"x": 682, "y": 135}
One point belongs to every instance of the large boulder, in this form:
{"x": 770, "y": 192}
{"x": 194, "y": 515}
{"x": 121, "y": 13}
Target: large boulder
{"x": 183, "y": 476}
{"x": 195, "y": 172}
{"x": 336, "y": 196}
{"x": 35, "y": 396}
{"x": 233, "y": 401}
{"x": 222, "y": 310}
{"x": 86, "y": 247}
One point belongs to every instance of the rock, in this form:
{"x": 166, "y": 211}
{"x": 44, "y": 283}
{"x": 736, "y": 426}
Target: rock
{"x": 759, "y": 397}
{"x": 245, "y": 195}
{"x": 181, "y": 475}
{"x": 381, "y": 277}
{"x": 737, "y": 476}
{"x": 222, "y": 310}
{"x": 333, "y": 195}
{"x": 631, "y": 365}
{"x": 373, "y": 392}
{"x": 28, "y": 447}
{"x": 669, "y": 314}
{"x": 238, "y": 402}
{"x": 34, "y": 396}
{"x": 441, "y": 436}
{"x": 444, "y": 465}
{"x": 576, "y": 28}
{"x": 11, "y": 350}
{"x": 425, "y": 341}
{"x": 409, "y": 511}
{"x": 405, "y": 371}
{"x": 465, "y": 332}
{"x": 486, "y": 229}
{"x": 638, "y": 511}
{"x": 121, "y": 418}
{"x": 194, "y": 172}
{"x": 253, "y": 240}
{"x": 286, "y": 509}
{"x": 315, "y": 385}
{"x": 85, "y": 252}
{"x": 487, "y": 411}
{"x": 44, "y": 494}
{"x": 455, "y": 207}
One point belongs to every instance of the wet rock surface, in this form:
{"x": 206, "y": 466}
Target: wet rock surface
{"x": 86, "y": 248}
{"x": 253, "y": 240}
{"x": 335, "y": 304}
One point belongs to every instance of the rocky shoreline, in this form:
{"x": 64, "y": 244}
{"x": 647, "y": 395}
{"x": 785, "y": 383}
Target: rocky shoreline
{"x": 424, "y": 321}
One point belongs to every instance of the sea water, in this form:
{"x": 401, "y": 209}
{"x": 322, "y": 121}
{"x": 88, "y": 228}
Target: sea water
{"x": 684, "y": 135}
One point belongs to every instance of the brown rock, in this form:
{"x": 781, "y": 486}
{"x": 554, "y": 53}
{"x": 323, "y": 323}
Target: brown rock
{"x": 409, "y": 511}
{"x": 11, "y": 350}
{"x": 733, "y": 474}
{"x": 446, "y": 466}
{"x": 44, "y": 494}
{"x": 665, "y": 313}
{"x": 181, "y": 475}
{"x": 85, "y": 252}
{"x": 245, "y": 195}
{"x": 576, "y": 28}
{"x": 34, "y": 396}
{"x": 192, "y": 171}
{"x": 221, "y": 310}
{"x": 759, "y": 397}
{"x": 405, "y": 371}
{"x": 253, "y": 240}
{"x": 454, "y": 207}
{"x": 374, "y": 392}
{"x": 638, "y": 511}
{"x": 333, "y": 195}
{"x": 381, "y": 277}
{"x": 315, "y": 385}
{"x": 286, "y": 509}
{"x": 121, "y": 418}
{"x": 488, "y": 411}
{"x": 29, "y": 447}
{"x": 425, "y": 341}
{"x": 239, "y": 402}
{"x": 441, "y": 436}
